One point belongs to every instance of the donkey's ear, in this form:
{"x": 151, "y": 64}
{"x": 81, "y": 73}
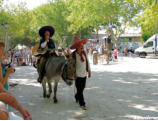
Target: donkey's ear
{"x": 65, "y": 52}
{"x": 66, "y": 55}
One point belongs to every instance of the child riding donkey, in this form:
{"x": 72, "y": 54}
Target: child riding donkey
{"x": 47, "y": 48}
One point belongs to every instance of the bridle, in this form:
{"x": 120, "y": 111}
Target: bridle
{"x": 65, "y": 73}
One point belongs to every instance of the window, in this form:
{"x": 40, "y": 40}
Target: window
{"x": 149, "y": 44}
{"x": 130, "y": 39}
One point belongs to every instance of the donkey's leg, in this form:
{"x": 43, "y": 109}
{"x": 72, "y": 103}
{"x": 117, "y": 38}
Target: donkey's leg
{"x": 44, "y": 88}
{"x": 55, "y": 90}
{"x": 50, "y": 88}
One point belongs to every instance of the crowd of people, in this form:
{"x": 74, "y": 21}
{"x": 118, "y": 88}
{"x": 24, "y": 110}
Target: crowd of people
{"x": 21, "y": 57}
{"x": 107, "y": 52}
{"x": 103, "y": 54}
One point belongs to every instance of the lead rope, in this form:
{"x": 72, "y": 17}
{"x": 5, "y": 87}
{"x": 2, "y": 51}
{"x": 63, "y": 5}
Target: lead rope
{"x": 74, "y": 89}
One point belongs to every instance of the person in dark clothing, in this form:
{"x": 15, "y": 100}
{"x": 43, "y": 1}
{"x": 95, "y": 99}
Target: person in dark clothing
{"x": 50, "y": 43}
{"x": 46, "y": 33}
{"x": 11, "y": 55}
{"x": 80, "y": 84}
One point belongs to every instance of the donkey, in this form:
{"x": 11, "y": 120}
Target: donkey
{"x": 58, "y": 67}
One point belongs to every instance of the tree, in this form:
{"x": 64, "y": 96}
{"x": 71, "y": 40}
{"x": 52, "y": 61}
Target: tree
{"x": 24, "y": 24}
{"x": 149, "y": 17}
{"x": 146, "y": 35}
{"x": 70, "y": 17}
{"x": 116, "y": 15}
{"x": 1, "y": 3}
{"x": 19, "y": 19}
{"x": 54, "y": 14}
{"x": 20, "y": 23}
{"x": 4, "y": 18}
{"x": 83, "y": 15}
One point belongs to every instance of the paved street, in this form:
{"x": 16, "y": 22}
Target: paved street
{"x": 127, "y": 89}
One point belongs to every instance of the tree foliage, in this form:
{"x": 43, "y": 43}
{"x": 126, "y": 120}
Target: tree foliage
{"x": 149, "y": 17}
{"x": 146, "y": 35}
{"x": 54, "y": 14}
{"x": 78, "y": 17}
{"x": 116, "y": 15}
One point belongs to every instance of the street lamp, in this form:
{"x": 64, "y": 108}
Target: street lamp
{"x": 6, "y": 26}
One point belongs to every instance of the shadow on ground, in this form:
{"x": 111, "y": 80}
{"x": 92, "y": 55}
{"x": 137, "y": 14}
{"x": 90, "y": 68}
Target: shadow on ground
{"x": 108, "y": 95}
{"x": 127, "y": 95}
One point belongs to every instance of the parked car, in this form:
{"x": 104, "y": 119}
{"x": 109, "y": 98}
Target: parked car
{"x": 132, "y": 46}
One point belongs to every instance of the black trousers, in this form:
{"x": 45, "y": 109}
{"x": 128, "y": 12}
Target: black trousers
{"x": 80, "y": 84}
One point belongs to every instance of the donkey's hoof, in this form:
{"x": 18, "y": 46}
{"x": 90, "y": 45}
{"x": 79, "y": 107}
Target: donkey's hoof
{"x": 44, "y": 96}
{"x": 55, "y": 100}
{"x": 48, "y": 96}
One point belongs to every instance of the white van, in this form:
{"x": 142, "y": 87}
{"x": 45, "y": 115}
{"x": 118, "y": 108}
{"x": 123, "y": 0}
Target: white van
{"x": 149, "y": 47}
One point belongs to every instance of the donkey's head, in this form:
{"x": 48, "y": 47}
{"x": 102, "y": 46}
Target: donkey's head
{"x": 69, "y": 71}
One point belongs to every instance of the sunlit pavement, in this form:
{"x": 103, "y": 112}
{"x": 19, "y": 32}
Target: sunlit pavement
{"x": 127, "y": 89}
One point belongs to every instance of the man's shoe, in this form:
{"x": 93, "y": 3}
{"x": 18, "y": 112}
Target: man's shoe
{"x": 39, "y": 80}
{"x": 83, "y": 107}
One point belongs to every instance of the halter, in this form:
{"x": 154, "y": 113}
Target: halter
{"x": 65, "y": 71}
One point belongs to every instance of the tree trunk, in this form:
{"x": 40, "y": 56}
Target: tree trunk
{"x": 116, "y": 44}
{"x": 115, "y": 38}
{"x": 97, "y": 35}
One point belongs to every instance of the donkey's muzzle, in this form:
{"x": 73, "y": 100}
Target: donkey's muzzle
{"x": 69, "y": 83}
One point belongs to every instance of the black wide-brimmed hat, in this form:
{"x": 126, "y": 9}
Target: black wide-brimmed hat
{"x": 46, "y": 28}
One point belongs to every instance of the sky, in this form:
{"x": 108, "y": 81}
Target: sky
{"x": 30, "y": 3}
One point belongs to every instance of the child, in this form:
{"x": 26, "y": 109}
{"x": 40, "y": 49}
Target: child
{"x": 115, "y": 53}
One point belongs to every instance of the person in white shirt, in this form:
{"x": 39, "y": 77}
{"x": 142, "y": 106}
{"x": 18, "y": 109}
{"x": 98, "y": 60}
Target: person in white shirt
{"x": 17, "y": 55}
{"x": 82, "y": 70}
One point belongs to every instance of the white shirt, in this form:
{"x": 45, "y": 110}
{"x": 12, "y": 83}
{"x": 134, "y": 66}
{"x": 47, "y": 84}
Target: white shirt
{"x": 43, "y": 45}
{"x": 81, "y": 70}
{"x": 17, "y": 53}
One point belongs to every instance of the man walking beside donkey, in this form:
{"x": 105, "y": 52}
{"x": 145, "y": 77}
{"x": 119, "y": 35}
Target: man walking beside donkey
{"x": 82, "y": 69}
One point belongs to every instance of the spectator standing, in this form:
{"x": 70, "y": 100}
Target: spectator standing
{"x": 30, "y": 57}
{"x": 115, "y": 54}
{"x": 17, "y": 56}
